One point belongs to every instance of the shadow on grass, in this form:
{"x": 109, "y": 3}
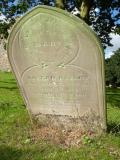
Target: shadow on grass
{"x": 113, "y": 128}
{"x": 12, "y": 153}
{"x": 10, "y": 85}
{"x": 9, "y": 82}
{"x": 9, "y": 153}
{"x": 9, "y": 88}
{"x": 114, "y": 99}
{"x": 5, "y": 105}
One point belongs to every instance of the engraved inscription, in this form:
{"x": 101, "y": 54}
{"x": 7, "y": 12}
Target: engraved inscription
{"x": 61, "y": 88}
{"x": 58, "y": 64}
{"x": 52, "y": 41}
{"x": 33, "y": 79}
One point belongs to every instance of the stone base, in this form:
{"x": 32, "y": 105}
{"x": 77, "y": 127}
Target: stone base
{"x": 88, "y": 123}
{"x": 65, "y": 130}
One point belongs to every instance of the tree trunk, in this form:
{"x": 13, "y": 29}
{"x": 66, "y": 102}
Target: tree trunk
{"x": 60, "y": 4}
{"x": 85, "y": 9}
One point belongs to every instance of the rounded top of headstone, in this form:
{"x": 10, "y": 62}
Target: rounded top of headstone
{"x": 53, "y": 19}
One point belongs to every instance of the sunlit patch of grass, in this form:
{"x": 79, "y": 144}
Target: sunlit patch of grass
{"x": 113, "y": 110}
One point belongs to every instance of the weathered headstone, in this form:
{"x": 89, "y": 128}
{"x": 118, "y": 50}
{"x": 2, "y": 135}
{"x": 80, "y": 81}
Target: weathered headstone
{"x": 58, "y": 63}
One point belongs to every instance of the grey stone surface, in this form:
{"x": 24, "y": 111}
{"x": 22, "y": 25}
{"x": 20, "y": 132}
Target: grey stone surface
{"x": 58, "y": 62}
{"x": 4, "y": 63}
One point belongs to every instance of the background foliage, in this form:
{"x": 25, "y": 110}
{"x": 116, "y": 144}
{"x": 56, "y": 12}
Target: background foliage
{"x": 112, "y": 69}
{"x": 102, "y": 15}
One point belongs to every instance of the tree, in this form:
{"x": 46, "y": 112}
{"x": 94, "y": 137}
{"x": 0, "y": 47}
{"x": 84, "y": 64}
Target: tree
{"x": 112, "y": 69}
{"x": 102, "y": 15}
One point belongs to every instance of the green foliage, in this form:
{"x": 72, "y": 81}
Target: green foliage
{"x": 4, "y": 30}
{"x": 103, "y": 22}
{"x": 5, "y": 27}
{"x": 22, "y": 7}
{"x": 113, "y": 69}
{"x": 11, "y": 12}
{"x": 86, "y": 139}
{"x": 15, "y": 136}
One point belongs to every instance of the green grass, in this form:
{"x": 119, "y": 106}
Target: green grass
{"x": 113, "y": 110}
{"x": 15, "y": 127}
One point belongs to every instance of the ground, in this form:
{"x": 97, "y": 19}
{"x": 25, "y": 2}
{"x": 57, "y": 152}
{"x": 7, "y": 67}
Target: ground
{"x": 16, "y": 131}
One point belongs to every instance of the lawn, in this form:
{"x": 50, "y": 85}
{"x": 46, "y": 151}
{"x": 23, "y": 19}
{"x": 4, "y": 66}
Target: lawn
{"x": 15, "y": 131}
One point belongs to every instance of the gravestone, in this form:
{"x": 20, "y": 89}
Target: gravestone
{"x": 59, "y": 67}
